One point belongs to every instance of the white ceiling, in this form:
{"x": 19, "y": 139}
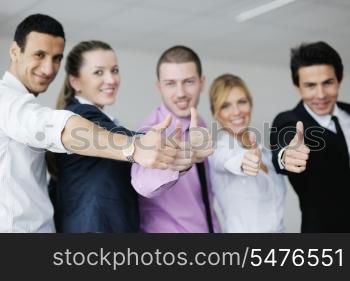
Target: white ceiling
{"x": 208, "y": 26}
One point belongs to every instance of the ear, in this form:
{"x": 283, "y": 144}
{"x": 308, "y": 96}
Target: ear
{"x": 15, "y": 50}
{"x": 158, "y": 85}
{"x": 202, "y": 81}
{"x": 297, "y": 88}
{"x": 74, "y": 82}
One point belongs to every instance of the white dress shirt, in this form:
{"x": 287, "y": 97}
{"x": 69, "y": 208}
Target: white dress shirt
{"x": 27, "y": 129}
{"x": 326, "y": 122}
{"x": 248, "y": 204}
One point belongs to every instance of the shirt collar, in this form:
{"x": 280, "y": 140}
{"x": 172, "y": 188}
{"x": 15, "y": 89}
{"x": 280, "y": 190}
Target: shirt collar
{"x": 14, "y": 82}
{"x": 323, "y": 120}
{"x": 185, "y": 121}
{"x": 83, "y": 100}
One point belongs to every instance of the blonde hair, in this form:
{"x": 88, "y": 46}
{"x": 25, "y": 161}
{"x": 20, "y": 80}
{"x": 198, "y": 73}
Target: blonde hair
{"x": 220, "y": 89}
{"x": 218, "y": 93}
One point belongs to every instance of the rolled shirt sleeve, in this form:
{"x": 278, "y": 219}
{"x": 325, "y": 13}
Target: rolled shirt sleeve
{"x": 27, "y": 122}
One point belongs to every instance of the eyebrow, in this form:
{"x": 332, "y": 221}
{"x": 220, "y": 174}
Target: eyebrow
{"x": 309, "y": 83}
{"x": 328, "y": 80}
{"x": 102, "y": 67}
{"x": 188, "y": 78}
{"x": 314, "y": 83}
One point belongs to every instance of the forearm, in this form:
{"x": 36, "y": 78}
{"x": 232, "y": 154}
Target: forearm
{"x": 83, "y": 137}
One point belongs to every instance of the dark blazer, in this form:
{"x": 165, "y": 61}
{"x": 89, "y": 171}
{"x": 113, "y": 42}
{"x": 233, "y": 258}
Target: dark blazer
{"x": 324, "y": 187}
{"x": 94, "y": 194}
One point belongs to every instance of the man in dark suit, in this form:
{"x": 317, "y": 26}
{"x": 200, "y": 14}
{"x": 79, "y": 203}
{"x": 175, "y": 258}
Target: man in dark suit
{"x": 310, "y": 143}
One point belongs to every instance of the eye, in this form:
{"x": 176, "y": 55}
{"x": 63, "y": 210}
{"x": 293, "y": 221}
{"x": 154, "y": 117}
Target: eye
{"x": 225, "y": 105}
{"x": 242, "y": 102}
{"x": 329, "y": 82}
{"x": 40, "y": 55}
{"x": 115, "y": 70}
{"x": 98, "y": 72}
{"x": 169, "y": 83}
{"x": 189, "y": 82}
{"x": 58, "y": 59}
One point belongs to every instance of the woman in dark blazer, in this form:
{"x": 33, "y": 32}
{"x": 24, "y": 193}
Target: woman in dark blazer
{"x": 92, "y": 194}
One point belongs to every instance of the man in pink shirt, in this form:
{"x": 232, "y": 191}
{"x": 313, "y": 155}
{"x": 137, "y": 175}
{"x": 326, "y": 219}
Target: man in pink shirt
{"x": 178, "y": 200}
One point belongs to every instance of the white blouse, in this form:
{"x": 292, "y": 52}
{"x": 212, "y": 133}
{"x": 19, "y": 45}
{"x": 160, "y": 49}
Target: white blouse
{"x": 248, "y": 204}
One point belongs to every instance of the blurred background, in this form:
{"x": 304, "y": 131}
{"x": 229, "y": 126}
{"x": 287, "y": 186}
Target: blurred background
{"x": 249, "y": 38}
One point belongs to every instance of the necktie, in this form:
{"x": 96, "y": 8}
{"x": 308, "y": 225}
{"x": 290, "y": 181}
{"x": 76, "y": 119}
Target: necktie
{"x": 205, "y": 195}
{"x": 340, "y": 134}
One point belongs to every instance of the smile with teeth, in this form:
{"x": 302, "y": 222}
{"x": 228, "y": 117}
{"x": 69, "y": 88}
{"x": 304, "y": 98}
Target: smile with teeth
{"x": 182, "y": 104}
{"x": 43, "y": 79}
{"x": 108, "y": 91}
{"x": 321, "y": 104}
{"x": 238, "y": 121}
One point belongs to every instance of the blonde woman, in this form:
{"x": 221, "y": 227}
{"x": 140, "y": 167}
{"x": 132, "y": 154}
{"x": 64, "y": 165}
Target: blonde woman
{"x": 250, "y": 193}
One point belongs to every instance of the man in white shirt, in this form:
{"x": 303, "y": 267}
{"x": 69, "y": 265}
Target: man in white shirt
{"x": 311, "y": 143}
{"x": 27, "y": 129}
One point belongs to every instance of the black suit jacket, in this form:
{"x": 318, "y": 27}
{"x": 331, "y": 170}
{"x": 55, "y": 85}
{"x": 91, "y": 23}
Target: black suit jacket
{"x": 324, "y": 187}
{"x": 93, "y": 194}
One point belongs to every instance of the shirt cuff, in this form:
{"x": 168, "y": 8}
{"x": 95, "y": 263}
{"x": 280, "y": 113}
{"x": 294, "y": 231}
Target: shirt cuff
{"x": 152, "y": 182}
{"x": 279, "y": 158}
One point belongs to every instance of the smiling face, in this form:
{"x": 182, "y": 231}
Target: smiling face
{"x": 99, "y": 77}
{"x": 318, "y": 87}
{"x": 36, "y": 67}
{"x": 180, "y": 86}
{"x": 235, "y": 112}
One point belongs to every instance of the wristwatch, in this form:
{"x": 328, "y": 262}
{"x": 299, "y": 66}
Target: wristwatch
{"x": 129, "y": 151}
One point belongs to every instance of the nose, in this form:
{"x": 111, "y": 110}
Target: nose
{"x": 111, "y": 78}
{"x": 320, "y": 92}
{"x": 236, "y": 110}
{"x": 180, "y": 91}
{"x": 48, "y": 68}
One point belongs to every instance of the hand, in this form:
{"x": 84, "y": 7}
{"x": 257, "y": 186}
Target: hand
{"x": 151, "y": 150}
{"x": 297, "y": 153}
{"x": 252, "y": 158}
{"x": 184, "y": 155}
{"x": 200, "y": 139}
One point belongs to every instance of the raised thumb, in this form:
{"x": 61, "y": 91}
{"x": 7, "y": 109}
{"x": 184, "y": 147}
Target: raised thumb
{"x": 164, "y": 124}
{"x": 253, "y": 143}
{"x": 252, "y": 140}
{"x": 300, "y": 132}
{"x": 194, "y": 118}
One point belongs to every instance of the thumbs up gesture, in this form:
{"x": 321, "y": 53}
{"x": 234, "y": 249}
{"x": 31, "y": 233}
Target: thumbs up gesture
{"x": 184, "y": 154}
{"x": 152, "y": 151}
{"x": 297, "y": 153}
{"x": 200, "y": 139}
{"x": 252, "y": 159}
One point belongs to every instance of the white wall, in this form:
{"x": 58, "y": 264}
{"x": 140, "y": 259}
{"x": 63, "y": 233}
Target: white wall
{"x": 270, "y": 85}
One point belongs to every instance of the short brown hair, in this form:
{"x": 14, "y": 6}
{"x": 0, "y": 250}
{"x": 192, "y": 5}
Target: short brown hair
{"x": 180, "y": 54}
